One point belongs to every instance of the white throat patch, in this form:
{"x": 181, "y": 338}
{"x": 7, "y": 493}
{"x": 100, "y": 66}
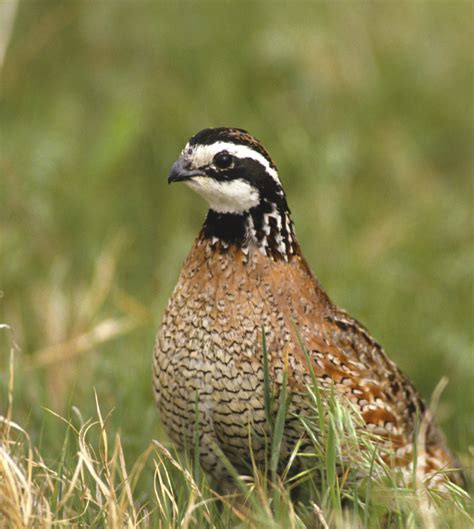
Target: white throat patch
{"x": 235, "y": 196}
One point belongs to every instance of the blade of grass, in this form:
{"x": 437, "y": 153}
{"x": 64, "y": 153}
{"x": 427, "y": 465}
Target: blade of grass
{"x": 314, "y": 381}
{"x": 279, "y": 429}
{"x": 368, "y": 490}
{"x": 330, "y": 462}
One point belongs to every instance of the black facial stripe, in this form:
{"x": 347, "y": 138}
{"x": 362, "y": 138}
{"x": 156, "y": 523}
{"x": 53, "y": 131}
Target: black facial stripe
{"x": 253, "y": 172}
{"x": 230, "y": 135}
{"x": 246, "y": 168}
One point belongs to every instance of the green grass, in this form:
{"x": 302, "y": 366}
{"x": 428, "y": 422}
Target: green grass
{"x": 367, "y": 110}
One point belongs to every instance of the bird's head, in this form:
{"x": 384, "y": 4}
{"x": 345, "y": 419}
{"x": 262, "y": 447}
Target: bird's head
{"x": 247, "y": 205}
{"x": 230, "y": 169}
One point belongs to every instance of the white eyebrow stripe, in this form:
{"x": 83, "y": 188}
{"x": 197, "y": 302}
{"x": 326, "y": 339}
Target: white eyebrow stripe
{"x": 203, "y": 154}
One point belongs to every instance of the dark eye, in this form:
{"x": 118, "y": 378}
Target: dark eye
{"x": 223, "y": 160}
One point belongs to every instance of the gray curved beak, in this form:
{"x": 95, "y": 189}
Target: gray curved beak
{"x": 180, "y": 172}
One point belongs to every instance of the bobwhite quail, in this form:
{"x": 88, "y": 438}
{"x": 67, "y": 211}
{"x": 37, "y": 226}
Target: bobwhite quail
{"x": 246, "y": 273}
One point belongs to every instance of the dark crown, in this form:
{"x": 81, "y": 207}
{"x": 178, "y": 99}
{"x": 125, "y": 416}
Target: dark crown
{"x": 230, "y": 135}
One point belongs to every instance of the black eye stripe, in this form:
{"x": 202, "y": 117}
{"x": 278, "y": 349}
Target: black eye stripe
{"x": 230, "y": 135}
{"x": 251, "y": 171}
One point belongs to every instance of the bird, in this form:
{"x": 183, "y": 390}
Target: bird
{"x": 245, "y": 280}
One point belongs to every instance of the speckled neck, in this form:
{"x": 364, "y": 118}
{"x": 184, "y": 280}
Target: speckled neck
{"x": 267, "y": 226}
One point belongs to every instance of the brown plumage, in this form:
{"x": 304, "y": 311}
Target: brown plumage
{"x": 245, "y": 273}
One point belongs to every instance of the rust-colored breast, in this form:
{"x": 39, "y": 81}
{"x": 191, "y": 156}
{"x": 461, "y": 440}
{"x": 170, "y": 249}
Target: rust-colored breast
{"x": 208, "y": 356}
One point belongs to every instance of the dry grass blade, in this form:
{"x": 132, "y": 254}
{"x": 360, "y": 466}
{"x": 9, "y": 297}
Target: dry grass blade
{"x": 104, "y": 331}
{"x": 11, "y": 377}
{"x": 320, "y": 515}
{"x": 166, "y": 490}
{"x": 7, "y": 19}
{"x": 185, "y": 472}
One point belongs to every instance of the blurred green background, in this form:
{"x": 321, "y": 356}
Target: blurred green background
{"x": 367, "y": 110}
